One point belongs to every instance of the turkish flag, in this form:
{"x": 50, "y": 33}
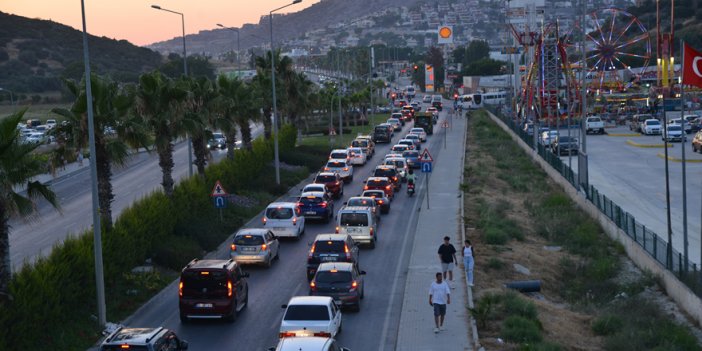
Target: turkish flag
{"x": 692, "y": 67}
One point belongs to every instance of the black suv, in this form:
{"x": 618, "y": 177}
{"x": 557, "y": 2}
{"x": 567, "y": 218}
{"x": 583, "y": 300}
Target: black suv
{"x": 143, "y": 339}
{"x": 381, "y": 134}
{"x": 390, "y": 172}
{"x": 331, "y": 248}
{"x": 212, "y": 289}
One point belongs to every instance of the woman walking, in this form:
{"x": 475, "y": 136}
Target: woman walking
{"x": 468, "y": 261}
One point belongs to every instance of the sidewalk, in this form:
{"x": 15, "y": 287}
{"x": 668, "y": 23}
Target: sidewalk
{"x": 416, "y": 330}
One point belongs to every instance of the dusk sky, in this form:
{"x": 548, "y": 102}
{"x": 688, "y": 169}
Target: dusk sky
{"x": 136, "y": 21}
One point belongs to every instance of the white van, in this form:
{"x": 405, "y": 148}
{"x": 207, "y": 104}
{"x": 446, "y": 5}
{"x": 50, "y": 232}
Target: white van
{"x": 359, "y": 222}
{"x": 284, "y": 219}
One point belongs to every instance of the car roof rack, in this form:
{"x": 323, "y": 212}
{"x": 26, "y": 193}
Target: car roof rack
{"x": 153, "y": 335}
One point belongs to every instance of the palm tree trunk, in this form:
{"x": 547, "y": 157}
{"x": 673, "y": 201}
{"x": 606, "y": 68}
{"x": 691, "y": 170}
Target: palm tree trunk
{"x": 245, "y": 129}
{"x": 231, "y": 142}
{"x": 5, "y": 266}
{"x": 201, "y": 153}
{"x": 165, "y": 161}
{"x": 267, "y": 123}
{"x": 104, "y": 179}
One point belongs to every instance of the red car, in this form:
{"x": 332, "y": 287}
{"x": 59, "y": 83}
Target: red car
{"x": 332, "y": 181}
{"x": 380, "y": 183}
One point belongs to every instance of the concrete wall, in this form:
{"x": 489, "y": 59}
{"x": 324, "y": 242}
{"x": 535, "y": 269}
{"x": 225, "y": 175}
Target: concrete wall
{"x": 677, "y": 290}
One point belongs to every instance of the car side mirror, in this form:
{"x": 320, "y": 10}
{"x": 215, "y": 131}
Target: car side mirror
{"x": 362, "y": 272}
{"x": 283, "y": 306}
{"x": 183, "y": 345}
{"x": 364, "y": 182}
{"x": 346, "y": 202}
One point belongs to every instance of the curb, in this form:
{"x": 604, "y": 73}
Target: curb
{"x": 624, "y": 134}
{"x": 675, "y": 159}
{"x": 650, "y": 146}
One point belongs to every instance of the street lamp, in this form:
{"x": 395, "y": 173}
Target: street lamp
{"x": 238, "y": 48}
{"x": 185, "y": 71}
{"x": 275, "y": 105}
{"x": 97, "y": 241}
{"x": 11, "y": 98}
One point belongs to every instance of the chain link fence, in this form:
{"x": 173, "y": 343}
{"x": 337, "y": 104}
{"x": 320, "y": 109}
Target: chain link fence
{"x": 688, "y": 272}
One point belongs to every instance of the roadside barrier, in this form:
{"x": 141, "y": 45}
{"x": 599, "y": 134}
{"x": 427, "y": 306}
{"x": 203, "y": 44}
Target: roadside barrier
{"x": 675, "y": 159}
{"x": 650, "y": 146}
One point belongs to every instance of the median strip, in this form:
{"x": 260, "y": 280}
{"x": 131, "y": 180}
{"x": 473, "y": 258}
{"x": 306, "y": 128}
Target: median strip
{"x": 675, "y": 159}
{"x": 650, "y": 146}
{"x": 624, "y": 134}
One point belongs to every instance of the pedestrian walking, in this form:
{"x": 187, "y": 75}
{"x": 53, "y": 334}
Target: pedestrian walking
{"x": 468, "y": 261}
{"x": 447, "y": 256}
{"x": 80, "y": 158}
{"x": 439, "y": 297}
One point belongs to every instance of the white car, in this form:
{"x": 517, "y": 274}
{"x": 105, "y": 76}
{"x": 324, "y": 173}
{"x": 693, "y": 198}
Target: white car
{"x": 358, "y": 155}
{"x": 284, "y": 219}
{"x": 399, "y": 148}
{"x": 410, "y": 144}
{"x": 400, "y": 164}
{"x": 651, "y": 126}
{"x": 35, "y": 138}
{"x": 343, "y": 154}
{"x": 51, "y": 123}
{"x": 392, "y": 155}
{"x": 316, "y": 343}
{"x": 678, "y": 122}
{"x": 416, "y": 139}
{"x": 310, "y": 316}
{"x": 314, "y": 187}
{"x": 419, "y": 131}
{"x": 549, "y": 137}
{"x": 342, "y": 167}
{"x": 434, "y": 111}
{"x": 396, "y": 124}
{"x": 673, "y": 132}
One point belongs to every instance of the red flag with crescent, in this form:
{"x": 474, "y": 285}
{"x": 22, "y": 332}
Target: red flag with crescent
{"x": 692, "y": 68}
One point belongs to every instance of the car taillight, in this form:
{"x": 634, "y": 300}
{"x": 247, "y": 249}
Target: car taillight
{"x": 264, "y": 220}
{"x": 348, "y": 253}
{"x": 295, "y": 221}
{"x": 300, "y": 204}
{"x": 371, "y": 232}
{"x": 380, "y": 202}
{"x": 230, "y": 288}
{"x": 323, "y": 205}
{"x": 124, "y": 347}
{"x": 327, "y": 168}
{"x": 286, "y": 335}
{"x": 387, "y": 187}
{"x": 311, "y": 251}
{"x": 354, "y": 285}
{"x": 313, "y": 286}
{"x": 346, "y": 168}
{"x": 337, "y": 230}
{"x": 264, "y": 247}
{"x": 365, "y": 187}
{"x": 322, "y": 334}
{"x": 394, "y": 178}
{"x": 233, "y": 247}
{"x": 180, "y": 289}
{"x": 337, "y": 182}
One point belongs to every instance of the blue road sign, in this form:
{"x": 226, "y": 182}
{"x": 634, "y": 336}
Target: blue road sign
{"x": 426, "y": 167}
{"x": 220, "y": 201}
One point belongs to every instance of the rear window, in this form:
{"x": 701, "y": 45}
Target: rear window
{"x": 381, "y": 129}
{"x": 410, "y": 154}
{"x": 198, "y": 281}
{"x": 359, "y": 202}
{"x": 311, "y": 200}
{"x": 307, "y": 313}
{"x": 248, "y": 240}
{"x": 378, "y": 193}
{"x": 396, "y": 163}
{"x": 359, "y": 143}
{"x": 399, "y": 148}
{"x": 377, "y": 183}
{"x": 336, "y": 164}
{"x": 279, "y": 213}
{"x": 339, "y": 155}
{"x": 333, "y": 277}
{"x": 354, "y": 219}
{"x": 329, "y": 246}
{"x": 325, "y": 179}
{"x": 384, "y": 172}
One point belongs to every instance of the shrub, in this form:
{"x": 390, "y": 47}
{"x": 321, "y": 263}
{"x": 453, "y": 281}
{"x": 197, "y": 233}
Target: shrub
{"x": 515, "y": 305}
{"x": 520, "y": 330}
{"x": 607, "y": 325}
{"x": 540, "y": 346}
{"x": 495, "y": 263}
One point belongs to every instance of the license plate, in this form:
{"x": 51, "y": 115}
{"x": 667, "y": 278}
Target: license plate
{"x": 203, "y": 305}
{"x": 248, "y": 249}
{"x": 278, "y": 228}
{"x": 310, "y": 212}
{"x": 353, "y": 230}
{"x": 328, "y": 258}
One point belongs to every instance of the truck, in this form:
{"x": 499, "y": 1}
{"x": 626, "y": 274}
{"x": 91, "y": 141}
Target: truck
{"x": 424, "y": 120}
{"x": 594, "y": 124}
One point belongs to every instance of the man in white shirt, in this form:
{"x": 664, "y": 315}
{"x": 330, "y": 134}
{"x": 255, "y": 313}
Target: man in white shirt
{"x": 439, "y": 297}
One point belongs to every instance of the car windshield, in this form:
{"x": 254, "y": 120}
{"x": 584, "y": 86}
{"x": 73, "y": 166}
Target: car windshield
{"x": 307, "y": 313}
{"x": 410, "y": 154}
{"x": 325, "y": 179}
{"x": 279, "y": 213}
{"x": 314, "y": 187}
{"x": 393, "y": 121}
{"x": 674, "y": 128}
{"x": 406, "y": 142}
{"x": 338, "y": 155}
{"x": 329, "y": 246}
{"x": 653, "y": 123}
{"x": 198, "y": 281}
{"x": 412, "y": 137}
{"x": 374, "y": 193}
{"x": 356, "y": 151}
{"x": 330, "y": 277}
{"x": 248, "y": 240}
{"x": 217, "y": 136}
{"x": 417, "y": 130}
{"x": 359, "y": 202}
{"x": 354, "y": 219}
{"x": 395, "y": 115}
{"x": 594, "y": 119}
{"x": 566, "y": 139}
{"x": 335, "y": 164}
{"x": 381, "y": 129}
{"x": 384, "y": 172}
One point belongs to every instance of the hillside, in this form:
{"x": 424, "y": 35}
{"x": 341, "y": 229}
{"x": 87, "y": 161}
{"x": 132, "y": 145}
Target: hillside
{"x": 289, "y": 26}
{"x": 35, "y": 54}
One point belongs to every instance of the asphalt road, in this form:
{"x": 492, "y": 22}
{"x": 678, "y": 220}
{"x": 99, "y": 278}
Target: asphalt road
{"x": 139, "y": 177}
{"x": 256, "y": 328}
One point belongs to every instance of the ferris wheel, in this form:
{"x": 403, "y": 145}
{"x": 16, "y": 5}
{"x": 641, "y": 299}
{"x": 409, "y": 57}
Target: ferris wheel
{"x": 615, "y": 42}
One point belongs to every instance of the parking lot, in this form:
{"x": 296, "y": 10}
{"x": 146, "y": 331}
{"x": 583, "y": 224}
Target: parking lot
{"x": 630, "y": 170}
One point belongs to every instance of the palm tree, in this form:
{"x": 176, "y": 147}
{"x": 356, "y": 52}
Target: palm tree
{"x": 159, "y": 103}
{"x": 238, "y": 105}
{"x": 17, "y": 166}
{"x": 199, "y": 112}
{"x": 283, "y": 69}
{"x": 111, "y": 104}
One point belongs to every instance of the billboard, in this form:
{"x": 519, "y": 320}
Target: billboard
{"x": 428, "y": 78}
{"x": 445, "y": 34}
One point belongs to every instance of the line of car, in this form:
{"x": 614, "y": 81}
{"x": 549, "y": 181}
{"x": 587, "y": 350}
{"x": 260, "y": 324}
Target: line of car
{"x": 218, "y": 289}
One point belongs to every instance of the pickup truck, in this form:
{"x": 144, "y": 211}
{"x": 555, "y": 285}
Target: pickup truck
{"x": 594, "y": 125}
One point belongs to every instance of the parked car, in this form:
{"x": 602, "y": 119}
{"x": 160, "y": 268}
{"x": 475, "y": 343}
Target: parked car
{"x": 359, "y": 222}
{"x": 678, "y": 122}
{"x": 310, "y": 316}
{"x": 594, "y": 124}
{"x": 565, "y": 145}
{"x": 341, "y": 281}
{"x": 212, "y": 289}
{"x": 331, "y": 248}
{"x": 637, "y": 121}
{"x": 255, "y": 246}
{"x": 144, "y": 339}
{"x": 284, "y": 219}
{"x": 651, "y": 127}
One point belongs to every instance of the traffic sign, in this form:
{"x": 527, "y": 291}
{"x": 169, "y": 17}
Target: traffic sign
{"x": 426, "y": 167}
{"x": 444, "y": 124}
{"x": 220, "y": 201}
{"x": 426, "y": 156}
{"x": 218, "y": 190}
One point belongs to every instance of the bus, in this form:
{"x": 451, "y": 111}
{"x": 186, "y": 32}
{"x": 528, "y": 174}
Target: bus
{"x": 478, "y": 100}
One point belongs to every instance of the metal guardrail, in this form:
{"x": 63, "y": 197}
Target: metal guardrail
{"x": 687, "y": 272}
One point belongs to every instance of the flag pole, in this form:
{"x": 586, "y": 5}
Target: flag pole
{"x": 684, "y": 167}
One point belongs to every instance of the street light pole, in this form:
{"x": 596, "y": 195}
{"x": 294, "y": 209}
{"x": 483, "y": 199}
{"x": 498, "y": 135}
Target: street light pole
{"x": 275, "y": 105}
{"x": 97, "y": 237}
{"x": 238, "y": 48}
{"x": 185, "y": 71}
